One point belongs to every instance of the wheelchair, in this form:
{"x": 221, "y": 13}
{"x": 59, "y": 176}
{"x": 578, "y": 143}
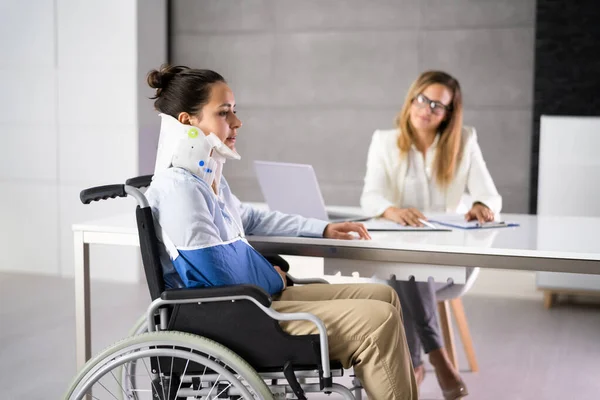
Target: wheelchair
{"x": 205, "y": 343}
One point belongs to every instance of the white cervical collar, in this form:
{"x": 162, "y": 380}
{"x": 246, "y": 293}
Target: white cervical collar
{"x": 187, "y": 147}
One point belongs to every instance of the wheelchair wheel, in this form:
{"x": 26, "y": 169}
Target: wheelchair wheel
{"x": 140, "y": 326}
{"x": 168, "y": 365}
{"x": 126, "y": 374}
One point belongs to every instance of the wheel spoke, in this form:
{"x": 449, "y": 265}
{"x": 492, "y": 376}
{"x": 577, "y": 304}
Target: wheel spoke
{"x": 118, "y": 383}
{"x": 171, "y": 380}
{"x": 149, "y": 375}
{"x": 222, "y": 391}
{"x": 181, "y": 379}
{"x": 160, "y": 378}
{"x": 108, "y": 391}
{"x": 131, "y": 363}
{"x": 213, "y": 386}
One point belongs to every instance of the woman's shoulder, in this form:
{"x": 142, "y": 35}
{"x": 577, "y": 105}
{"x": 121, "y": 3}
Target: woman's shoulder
{"x": 178, "y": 182}
{"x": 468, "y": 131}
{"x": 469, "y": 136}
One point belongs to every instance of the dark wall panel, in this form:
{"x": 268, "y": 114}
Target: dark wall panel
{"x": 567, "y": 66}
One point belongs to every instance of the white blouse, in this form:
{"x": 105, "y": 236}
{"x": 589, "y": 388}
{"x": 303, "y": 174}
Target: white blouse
{"x": 388, "y": 172}
{"x": 420, "y": 189}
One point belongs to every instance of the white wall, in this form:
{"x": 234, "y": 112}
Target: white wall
{"x": 29, "y": 137}
{"x": 69, "y": 120}
{"x": 568, "y": 184}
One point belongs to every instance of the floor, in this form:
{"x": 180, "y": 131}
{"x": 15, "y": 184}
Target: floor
{"x": 524, "y": 351}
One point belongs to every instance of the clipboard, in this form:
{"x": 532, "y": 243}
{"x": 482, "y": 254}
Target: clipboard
{"x": 382, "y": 225}
{"x": 459, "y": 223}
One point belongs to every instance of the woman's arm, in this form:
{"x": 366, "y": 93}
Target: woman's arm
{"x": 275, "y": 223}
{"x": 202, "y": 256}
{"x": 374, "y": 200}
{"x": 479, "y": 182}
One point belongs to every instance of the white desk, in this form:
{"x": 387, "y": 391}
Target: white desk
{"x": 556, "y": 244}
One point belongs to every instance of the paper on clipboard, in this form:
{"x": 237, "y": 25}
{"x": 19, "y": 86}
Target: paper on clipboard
{"x": 380, "y": 224}
{"x": 458, "y": 221}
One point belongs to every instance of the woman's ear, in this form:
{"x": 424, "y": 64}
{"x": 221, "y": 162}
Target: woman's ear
{"x": 184, "y": 118}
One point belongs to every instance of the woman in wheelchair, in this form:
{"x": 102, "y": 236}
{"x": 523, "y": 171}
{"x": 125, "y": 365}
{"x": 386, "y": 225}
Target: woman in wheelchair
{"x": 203, "y": 225}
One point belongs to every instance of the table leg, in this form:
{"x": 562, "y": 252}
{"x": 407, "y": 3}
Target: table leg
{"x": 447, "y": 332}
{"x": 83, "y": 348}
{"x": 549, "y": 299}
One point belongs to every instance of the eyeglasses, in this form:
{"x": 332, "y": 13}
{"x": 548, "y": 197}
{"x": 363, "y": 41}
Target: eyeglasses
{"x": 436, "y": 107}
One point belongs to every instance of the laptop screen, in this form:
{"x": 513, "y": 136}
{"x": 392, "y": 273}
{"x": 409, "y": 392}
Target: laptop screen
{"x": 291, "y": 188}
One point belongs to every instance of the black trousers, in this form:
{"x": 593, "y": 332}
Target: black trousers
{"x": 419, "y": 307}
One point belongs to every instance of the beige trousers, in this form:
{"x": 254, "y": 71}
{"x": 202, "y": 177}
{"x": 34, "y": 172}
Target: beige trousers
{"x": 364, "y": 327}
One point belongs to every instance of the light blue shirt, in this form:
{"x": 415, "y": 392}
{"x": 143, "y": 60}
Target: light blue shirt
{"x": 203, "y": 234}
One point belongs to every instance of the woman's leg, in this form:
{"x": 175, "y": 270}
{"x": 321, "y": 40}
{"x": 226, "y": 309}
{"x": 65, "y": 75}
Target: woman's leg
{"x": 414, "y": 345}
{"x": 364, "y": 330}
{"x": 420, "y": 305}
{"x": 419, "y": 302}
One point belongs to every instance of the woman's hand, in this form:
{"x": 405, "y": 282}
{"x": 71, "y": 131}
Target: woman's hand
{"x": 283, "y": 275}
{"x": 404, "y": 216}
{"x": 341, "y": 230}
{"x": 480, "y": 212}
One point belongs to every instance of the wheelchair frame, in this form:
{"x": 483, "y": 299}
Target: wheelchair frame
{"x": 159, "y": 314}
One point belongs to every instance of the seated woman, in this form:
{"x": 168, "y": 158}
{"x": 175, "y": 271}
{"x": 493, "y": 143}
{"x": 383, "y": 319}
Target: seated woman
{"x": 203, "y": 227}
{"x": 425, "y": 165}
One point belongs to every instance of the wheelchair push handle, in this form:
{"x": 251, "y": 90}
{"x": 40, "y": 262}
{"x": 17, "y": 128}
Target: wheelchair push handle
{"x": 139, "y": 181}
{"x": 130, "y": 188}
{"x": 102, "y": 193}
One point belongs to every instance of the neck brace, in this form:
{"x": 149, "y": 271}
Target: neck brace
{"x": 187, "y": 147}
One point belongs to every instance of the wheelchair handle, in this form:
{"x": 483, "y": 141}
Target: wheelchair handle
{"x": 139, "y": 181}
{"x": 102, "y": 193}
{"x": 111, "y": 192}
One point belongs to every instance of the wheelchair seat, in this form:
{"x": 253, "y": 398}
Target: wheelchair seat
{"x": 243, "y": 327}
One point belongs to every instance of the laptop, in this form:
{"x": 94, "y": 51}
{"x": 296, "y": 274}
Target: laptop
{"x": 294, "y": 189}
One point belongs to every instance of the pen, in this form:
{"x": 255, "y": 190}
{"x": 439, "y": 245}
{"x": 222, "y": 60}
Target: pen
{"x": 427, "y": 224}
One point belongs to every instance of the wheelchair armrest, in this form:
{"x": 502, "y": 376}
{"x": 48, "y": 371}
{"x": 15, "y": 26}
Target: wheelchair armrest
{"x": 307, "y": 281}
{"x": 276, "y": 259}
{"x": 218, "y": 291}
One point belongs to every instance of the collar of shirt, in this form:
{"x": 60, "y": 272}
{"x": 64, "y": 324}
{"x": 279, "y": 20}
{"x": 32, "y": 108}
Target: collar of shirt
{"x": 431, "y": 148}
{"x": 429, "y": 155}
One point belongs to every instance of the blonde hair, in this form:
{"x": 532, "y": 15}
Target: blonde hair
{"x": 449, "y": 145}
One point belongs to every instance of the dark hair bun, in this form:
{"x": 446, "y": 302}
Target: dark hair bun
{"x": 160, "y": 79}
{"x": 181, "y": 89}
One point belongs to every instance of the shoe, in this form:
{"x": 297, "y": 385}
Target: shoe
{"x": 456, "y": 393}
{"x": 440, "y": 361}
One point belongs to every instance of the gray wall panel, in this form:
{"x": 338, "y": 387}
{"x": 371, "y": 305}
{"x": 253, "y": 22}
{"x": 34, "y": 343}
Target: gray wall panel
{"x": 209, "y": 17}
{"x": 505, "y": 140}
{"x": 494, "y": 66}
{"x": 245, "y": 60}
{"x": 344, "y": 68}
{"x": 330, "y": 139}
{"x": 310, "y": 15}
{"x": 443, "y": 14}
{"x": 313, "y": 79}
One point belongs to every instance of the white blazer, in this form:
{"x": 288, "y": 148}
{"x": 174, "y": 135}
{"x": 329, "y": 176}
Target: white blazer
{"x": 386, "y": 171}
